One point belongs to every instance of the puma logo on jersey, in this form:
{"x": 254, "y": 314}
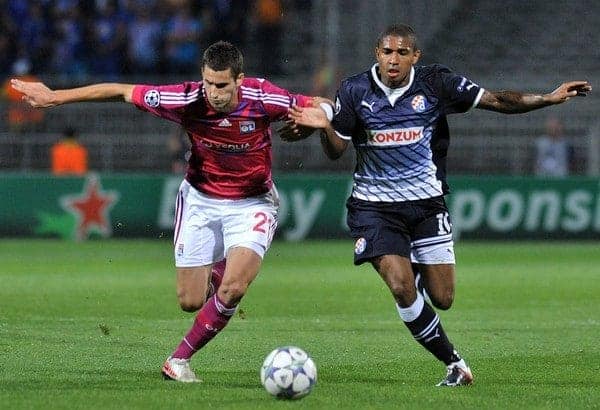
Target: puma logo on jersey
{"x": 366, "y": 104}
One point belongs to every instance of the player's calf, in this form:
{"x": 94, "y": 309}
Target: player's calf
{"x": 216, "y": 277}
{"x": 436, "y": 284}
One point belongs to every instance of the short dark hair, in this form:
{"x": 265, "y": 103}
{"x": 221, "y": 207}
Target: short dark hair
{"x": 399, "y": 30}
{"x": 223, "y": 55}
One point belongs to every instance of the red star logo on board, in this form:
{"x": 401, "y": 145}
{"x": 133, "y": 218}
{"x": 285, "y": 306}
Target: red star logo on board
{"x": 91, "y": 209}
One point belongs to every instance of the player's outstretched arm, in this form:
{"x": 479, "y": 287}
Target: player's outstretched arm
{"x": 333, "y": 146}
{"x": 40, "y": 96}
{"x": 294, "y": 131}
{"x": 313, "y": 117}
{"x": 514, "y": 102}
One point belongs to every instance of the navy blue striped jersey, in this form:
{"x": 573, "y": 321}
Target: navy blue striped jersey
{"x": 401, "y": 135}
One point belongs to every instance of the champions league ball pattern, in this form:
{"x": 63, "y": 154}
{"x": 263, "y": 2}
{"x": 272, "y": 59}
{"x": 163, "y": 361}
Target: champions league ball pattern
{"x": 288, "y": 373}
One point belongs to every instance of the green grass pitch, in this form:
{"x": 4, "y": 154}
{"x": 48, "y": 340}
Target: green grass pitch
{"x": 88, "y": 325}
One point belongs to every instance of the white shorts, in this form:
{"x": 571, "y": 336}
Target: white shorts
{"x": 433, "y": 251}
{"x": 206, "y": 227}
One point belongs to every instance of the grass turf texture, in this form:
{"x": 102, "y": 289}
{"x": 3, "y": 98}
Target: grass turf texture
{"x": 88, "y": 325}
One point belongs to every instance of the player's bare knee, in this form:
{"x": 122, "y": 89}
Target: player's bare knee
{"x": 188, "y": 306}
{"x": 403, "y": 291}
{"x": 187, "y": 303}
{"x": 443, "y": 301}
{"x": 232, "y": 293}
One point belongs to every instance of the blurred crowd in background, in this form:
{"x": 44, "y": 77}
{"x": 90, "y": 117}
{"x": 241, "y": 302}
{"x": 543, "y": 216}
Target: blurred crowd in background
{"x": 112, "y": 38}
{"x": 306, "y": 46}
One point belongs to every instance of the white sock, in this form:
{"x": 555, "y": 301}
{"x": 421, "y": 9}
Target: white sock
{"x": 408, "y": 314}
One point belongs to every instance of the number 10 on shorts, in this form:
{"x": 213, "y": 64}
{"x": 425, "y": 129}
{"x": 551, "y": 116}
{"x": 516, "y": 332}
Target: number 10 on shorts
{"x": 444, "y": 226}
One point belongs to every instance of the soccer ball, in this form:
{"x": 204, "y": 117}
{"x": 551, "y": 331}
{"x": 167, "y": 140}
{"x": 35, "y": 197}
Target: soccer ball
{"x": 288, "y": 373}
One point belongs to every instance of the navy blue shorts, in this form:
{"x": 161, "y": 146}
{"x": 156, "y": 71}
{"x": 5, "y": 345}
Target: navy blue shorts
{"x": 388, "y": 228}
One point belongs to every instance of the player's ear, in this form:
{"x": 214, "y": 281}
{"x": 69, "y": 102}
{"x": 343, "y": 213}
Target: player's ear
{"x": 239, "y": 79}
{"x": 416, "y": 56}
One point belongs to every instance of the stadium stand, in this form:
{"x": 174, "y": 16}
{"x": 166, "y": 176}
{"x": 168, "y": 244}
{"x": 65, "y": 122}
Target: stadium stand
{"x": 531, "y": 45}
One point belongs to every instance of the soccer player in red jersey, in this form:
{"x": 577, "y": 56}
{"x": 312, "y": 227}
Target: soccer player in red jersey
{"x": 227, "y": 203}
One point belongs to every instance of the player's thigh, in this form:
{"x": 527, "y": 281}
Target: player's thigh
{"x": 250, "y": 223}
{"x": 396, "y": 272}
{"x": 432, "y": 249}
{"x": 192, "y": 286}
{"x": 378, "y": 230}
{"x": 248, "y": 229}
{"x": 439, "y": 281}
{"x": 243, "y": 265}
{"x": 198, "y": 237}
{"x": 431, "y": 236}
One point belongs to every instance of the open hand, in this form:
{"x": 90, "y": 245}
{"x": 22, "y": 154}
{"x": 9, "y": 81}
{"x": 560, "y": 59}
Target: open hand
{"x": 309, "y": 117}
{"x": 34, "y": 93}
{"x": 569, "y": 89}
{"x": 291, "y": 131}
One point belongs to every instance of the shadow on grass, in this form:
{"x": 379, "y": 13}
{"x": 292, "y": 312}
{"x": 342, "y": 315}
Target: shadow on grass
{"x": 126, "y": 380}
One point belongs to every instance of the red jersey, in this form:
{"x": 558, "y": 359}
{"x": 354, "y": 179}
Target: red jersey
{"x": 231, "y": 152}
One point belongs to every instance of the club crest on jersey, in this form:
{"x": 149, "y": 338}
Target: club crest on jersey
{"x": 360, "y": 245}
{"x": 152, "y": 98}
{"x": 247, "y": 127}
{"x": 418, "y": 103}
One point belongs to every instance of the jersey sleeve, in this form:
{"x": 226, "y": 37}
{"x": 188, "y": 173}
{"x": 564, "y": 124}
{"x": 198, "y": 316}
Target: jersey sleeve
{"x": 344, "y": 116}
{"x": 460, "y": 94}
{"x": 166, "y": 101}
{"x": 277, "y": 101}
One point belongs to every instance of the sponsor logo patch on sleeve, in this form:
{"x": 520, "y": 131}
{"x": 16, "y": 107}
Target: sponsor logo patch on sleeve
{"x": 152, "y": 98}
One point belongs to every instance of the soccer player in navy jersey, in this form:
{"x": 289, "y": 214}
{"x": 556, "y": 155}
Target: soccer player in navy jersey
{"x": 227, "y": 203}
{"x": 395, "y": 116}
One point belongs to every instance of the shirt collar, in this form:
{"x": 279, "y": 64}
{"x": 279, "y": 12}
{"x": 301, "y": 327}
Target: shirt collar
{"x": 392, "y": 94}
